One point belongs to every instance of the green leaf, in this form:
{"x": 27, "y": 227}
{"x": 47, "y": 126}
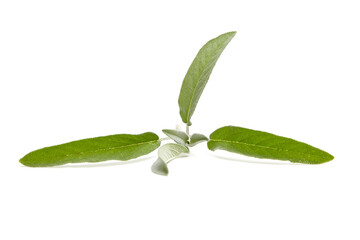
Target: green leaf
{"x": 265, "y": 145}
{"x": 178, "y": 136}
{"x": 114, "y": 147}
{"x": 160, "y": 167}
{"x": 199, "y": 73}
{"x": 167, "y": 153}
{"x": 197, "y": 138}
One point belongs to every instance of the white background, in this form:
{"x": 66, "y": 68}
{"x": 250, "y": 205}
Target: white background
{"x": 77, "y": 69}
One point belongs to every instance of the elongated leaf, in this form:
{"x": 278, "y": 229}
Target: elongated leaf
{"x": 114, "y": 147}
{"x": 198, "y": 74}
{"x": 176, "y": 135}
{"x": 197, "y": 138}
{"x": 265, "y": 145}
{"x": 167, "y": 153}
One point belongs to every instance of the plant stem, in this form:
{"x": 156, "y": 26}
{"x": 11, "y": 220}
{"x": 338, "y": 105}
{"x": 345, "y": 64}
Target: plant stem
{"x": 187, "y": 130}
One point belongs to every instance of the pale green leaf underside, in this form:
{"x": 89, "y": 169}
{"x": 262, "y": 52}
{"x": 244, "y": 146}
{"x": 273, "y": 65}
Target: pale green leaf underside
{"x": 265, "y": 145}
{"x": 167, "y": 153}
{"x": 197, "y": 138}
{"x": 160, "y": 167}
{"x": 198, "y": 74}
{"x": 114, "y": 147}
{"x": 178, "y": 136}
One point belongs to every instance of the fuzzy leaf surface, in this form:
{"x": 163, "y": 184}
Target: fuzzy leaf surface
{"x": 176, "y": 135}
{"x": 167, "y": 153}
{"x": 265, "y": 145}
{"x": 114, "y": 147}
{"x": 198, "y": 74}
{"x": 160, "y": 167}
{"x": 197, "y": 138}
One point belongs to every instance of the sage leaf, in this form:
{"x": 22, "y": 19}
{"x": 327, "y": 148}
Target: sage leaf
{"x": 114, "y": 147}
{"x": 197, "y": 138}
{"x": 198, "y": 74}
{"x": 176, "y": 135}
{"x": 167, "y": 153}
{"x": 160, "y": 167}
{"x": 265, "y": 145}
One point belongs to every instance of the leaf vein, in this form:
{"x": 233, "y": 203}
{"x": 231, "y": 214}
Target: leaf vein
{"x": 265, "y": 147}
{"x": 110, "y": 148}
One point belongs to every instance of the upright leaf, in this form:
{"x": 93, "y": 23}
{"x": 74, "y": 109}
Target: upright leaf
{"x": 167, "y": 153}
{"x": 114, "y": 147}
{"x": 199, "y": 73}
{"x": 265, "y": 145}
{"x": 176, "y": 135}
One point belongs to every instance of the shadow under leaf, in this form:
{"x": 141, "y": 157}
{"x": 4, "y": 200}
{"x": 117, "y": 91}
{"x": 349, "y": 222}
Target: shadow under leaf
{"x": 258, "y": 161}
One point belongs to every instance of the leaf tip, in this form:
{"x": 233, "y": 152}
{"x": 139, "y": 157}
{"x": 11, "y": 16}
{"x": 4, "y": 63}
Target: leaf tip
{"x": 159, "y": 167}
{"x": 24, "y": 161}
{"x": 329, "y": 157}
{"x": 230, "y": 34}
{"x": 29, "y": 160}
{"x": 325, "y": 157}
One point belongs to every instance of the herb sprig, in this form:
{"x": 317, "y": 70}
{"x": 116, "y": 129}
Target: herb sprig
{"x": 230, "y": 138}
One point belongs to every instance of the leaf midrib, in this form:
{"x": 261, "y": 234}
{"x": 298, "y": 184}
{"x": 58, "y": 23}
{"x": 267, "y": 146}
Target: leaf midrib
{"x": 266, "y": 147}
{"x": 197, "y": 83}
{"x": 110, "y": 148}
